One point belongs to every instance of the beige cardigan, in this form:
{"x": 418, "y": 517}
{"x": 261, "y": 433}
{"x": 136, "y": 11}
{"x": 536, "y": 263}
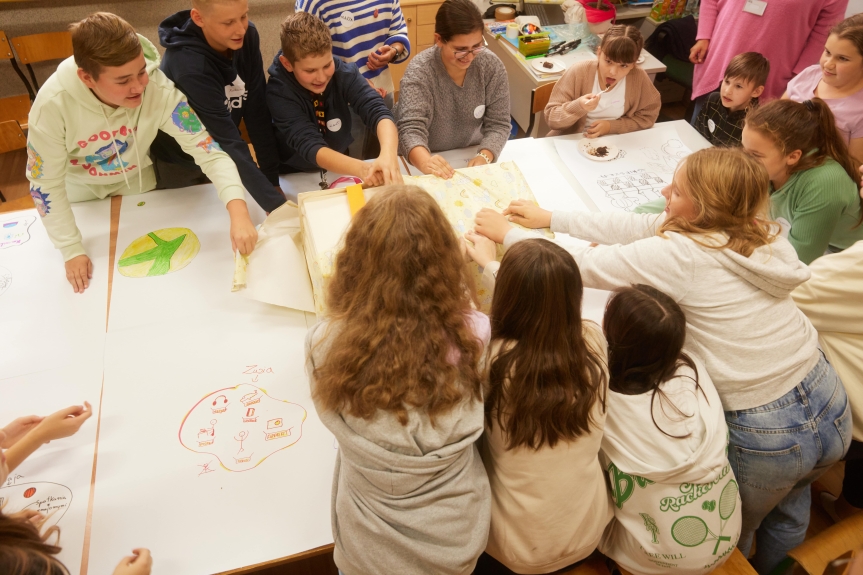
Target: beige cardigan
{"x": 831, "y": 301}
{"x": 564, "y": 115}
{"x": 549, "y": 507}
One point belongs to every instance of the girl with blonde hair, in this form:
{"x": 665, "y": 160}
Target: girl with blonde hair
{"x": 716, "y": 254}
{"x": 394, "y": 372}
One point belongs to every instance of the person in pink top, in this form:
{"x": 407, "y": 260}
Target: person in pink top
{"x": 789, "y": 33}
{"x": 838, "y": 80}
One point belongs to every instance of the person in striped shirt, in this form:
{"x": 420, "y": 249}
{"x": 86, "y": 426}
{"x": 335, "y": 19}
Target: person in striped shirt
{"x": 371, "y": 34}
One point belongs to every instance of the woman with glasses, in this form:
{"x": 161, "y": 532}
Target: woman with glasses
{"x": 453, "y": 95}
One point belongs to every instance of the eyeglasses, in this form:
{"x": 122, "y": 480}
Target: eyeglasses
{"x": 462, "y": 54}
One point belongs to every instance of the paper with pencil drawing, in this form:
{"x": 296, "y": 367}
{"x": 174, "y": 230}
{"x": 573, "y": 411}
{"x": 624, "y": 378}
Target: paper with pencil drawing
{"x": 645, "y": 165}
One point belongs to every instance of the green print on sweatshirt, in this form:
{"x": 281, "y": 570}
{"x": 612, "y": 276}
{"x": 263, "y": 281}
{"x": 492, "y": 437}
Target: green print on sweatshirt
{"x": 623, "y": 484}
{"x": 691, "y": 492}
{"x": 691, "y": 531}
{"x": 650, "y": 525}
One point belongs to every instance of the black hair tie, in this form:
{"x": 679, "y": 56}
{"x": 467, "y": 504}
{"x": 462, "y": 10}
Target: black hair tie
{"x": 810, "y": 105}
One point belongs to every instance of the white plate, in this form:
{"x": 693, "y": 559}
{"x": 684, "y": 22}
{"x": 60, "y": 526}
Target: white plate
{"x": 641, "y": 59}
{"x": 557, "y": 67}
{"x": 586, "y": 146}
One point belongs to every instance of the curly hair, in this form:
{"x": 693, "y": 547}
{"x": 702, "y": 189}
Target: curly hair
{"x": 401, "y": 295}
{"x": 544, "y": 384}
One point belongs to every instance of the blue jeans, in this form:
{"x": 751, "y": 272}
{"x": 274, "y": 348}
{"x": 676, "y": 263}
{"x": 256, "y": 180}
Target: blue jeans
{"x": 776, "y": 451}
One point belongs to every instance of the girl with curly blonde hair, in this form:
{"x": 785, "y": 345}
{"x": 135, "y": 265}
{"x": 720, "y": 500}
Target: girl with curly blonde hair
{"x": 394, "y": 371}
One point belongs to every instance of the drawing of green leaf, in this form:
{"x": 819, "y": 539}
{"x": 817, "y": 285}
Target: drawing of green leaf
{"x": 159, "y": 255}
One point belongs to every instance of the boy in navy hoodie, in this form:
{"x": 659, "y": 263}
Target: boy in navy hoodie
{"x": 213, "y": 56}
{"x": 310, "y": 95}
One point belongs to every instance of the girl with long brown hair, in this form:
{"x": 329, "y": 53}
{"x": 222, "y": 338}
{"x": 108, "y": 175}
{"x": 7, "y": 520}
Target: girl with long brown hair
{"x": 544, "y": 412}
{"x": 715, "y": 252}
{"x": 813, "y": 179}
{"x": 394, "y": 371}
{"x": 665, "y": 432}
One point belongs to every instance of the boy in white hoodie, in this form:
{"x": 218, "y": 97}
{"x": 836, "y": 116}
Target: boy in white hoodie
{"x": 716, "y": 255}
{"x": 91, "y": 127}
{"x": 677, "y": 508}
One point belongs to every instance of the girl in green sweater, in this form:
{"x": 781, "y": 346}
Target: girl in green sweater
{"x": 813, "y": 179}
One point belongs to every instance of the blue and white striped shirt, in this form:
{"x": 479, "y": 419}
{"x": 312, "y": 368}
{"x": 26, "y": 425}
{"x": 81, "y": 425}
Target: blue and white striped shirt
{"x": 359, "y": 27}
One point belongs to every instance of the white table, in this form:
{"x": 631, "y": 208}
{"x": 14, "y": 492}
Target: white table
{"x": 523, "y": 82}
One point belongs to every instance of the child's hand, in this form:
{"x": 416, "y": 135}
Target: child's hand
{"x": 381, "y": 91}
{"x": 383, "y": 171}
{"x": 438, "y": 166}
{"x": 698, "y": 53}
{"x": 18, "y": 429}
{"x": 598, "y": 128}
{"x": 139, "y": 563}
{"x": 62, "y": 423}
{"x": 482, "y": 250}
{"x": 528, "y": 214}
{"x": 589, "y": 102}
{"x": 244, "y": 236}
{"x": 79, "y": 272}
{"x": 492, "y": 225}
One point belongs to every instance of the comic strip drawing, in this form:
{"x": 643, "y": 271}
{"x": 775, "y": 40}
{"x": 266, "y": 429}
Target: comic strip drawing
{"x": 241, "y": 426}
{"x": 50, "y": 499}
{"x": 5, "y": 279}
{"x": 666, "y": 158}
{"x": 626, "y": 190}
{"x": 158, "y": 253}
{"x": 15, "y": 232}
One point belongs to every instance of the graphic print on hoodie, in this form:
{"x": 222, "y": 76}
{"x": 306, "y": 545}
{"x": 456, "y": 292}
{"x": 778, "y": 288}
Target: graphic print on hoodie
{"x": 224, "y": 91}
{"x": 80, "y": 149}
{"x": 676, "y": 502}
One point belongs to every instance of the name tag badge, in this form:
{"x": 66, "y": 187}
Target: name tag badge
{"x": 711, "y": 125}
{"x": 756, "y": 7}
{"x": 334, "y": 125}
{"x": 234, "y": 91}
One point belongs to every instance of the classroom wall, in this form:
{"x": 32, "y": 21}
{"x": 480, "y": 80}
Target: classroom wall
{"x": 21, "y": 18}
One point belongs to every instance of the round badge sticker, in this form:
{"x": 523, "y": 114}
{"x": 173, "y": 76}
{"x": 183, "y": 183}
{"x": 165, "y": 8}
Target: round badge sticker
{"x": 479, "y": 111}
{"x": 711, "y": 125}
{"x": 334, "y": 125}
{"x": 347, "y": 19}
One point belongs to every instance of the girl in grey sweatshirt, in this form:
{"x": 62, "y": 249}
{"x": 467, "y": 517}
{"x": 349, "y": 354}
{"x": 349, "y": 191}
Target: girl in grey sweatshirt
{"x": 394, "y": 374}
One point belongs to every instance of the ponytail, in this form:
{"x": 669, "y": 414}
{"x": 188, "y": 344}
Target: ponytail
{"x": 828, "y": 139}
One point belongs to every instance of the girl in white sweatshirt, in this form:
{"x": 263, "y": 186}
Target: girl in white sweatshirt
{"x": 715, "y": 253}
{"x": 677, "y": 508}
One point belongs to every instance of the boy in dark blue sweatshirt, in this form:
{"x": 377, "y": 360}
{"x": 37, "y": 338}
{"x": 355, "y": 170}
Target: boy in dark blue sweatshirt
{"x": 310, "y": 95}
{"x": 213, "y": 56}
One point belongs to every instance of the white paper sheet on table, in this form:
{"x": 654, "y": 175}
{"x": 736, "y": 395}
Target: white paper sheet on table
{"x": 182, "y": 502}
{"x": 56, "y": 478}
{"x": 277, "y": 272}
{"x": 43, "y": 323}
{"x": 646, "y": 165}
{"x": 203, "y": 286}
{"x": 548, "y": 183}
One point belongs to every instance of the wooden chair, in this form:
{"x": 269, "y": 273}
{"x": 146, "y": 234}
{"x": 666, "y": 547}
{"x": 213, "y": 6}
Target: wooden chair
{"x": 6, "y": 54}
{"x": 41, "y": 48}
{"x": 15, "y": 108}
{"x": 538, "y": 102}
{"x": 11, "y": 138}
{"x": 816, "y": 553}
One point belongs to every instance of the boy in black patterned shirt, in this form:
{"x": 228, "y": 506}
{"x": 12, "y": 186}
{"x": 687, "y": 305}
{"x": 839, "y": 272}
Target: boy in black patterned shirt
{"x": 721, "y": 119}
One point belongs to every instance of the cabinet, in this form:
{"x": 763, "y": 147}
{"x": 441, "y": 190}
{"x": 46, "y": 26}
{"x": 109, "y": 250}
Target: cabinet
{"x": 419, "y": 15}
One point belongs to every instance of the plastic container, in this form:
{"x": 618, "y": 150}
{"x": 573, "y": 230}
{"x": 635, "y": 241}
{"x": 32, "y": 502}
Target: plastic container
{"x": 534, "y": 44}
